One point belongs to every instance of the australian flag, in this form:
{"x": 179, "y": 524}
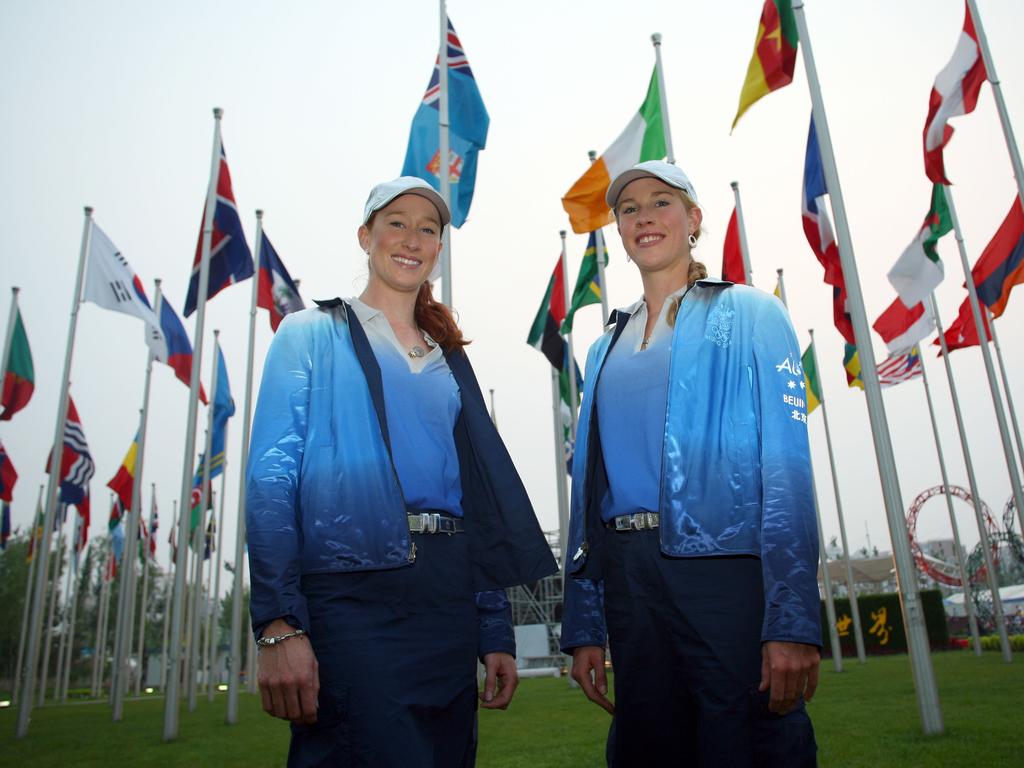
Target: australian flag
{"x": 230, "y": 257}
{"x": 468, "y": 120}
{"x": 76, "y": 465}
{"x": 276, "y": 291}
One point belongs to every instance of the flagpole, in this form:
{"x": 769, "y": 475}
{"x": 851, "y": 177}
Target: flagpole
{"x": 1009, "y": 396}
{"x": 574, "y": 399}
{"x": 99, "y": 627}
{"x": 986, "y": 355}
{"x": 744, "y": 250}
{"x": 18, "y": 671}
{"x": 858, "y": 633}
{"x": 54, "y": 589}
{"x": 204, "y": 492}
{"x": 563, "y": 505}
{"x": 601, "y": 255}
{"x": 204, "y": 673}
{"x": 125, "y": 623}
{"x": 1004, "y": 115}
{"x": 215, "y": 621}
{"x": 444, "y": 150}
{"x": 11, "y": 318}
{"x": 972, "y": 620}
{"x": 73, "y": 592}
{"x": 826, "y": 577}
{"x": 656, "y": 40}
{"x": 171, "y": 699}
{"x": 250, "y": 663}
{"x": 195, "y": 597}
{"x": 168, "y": 590}
{"x": 235, "y": 654}
{"x": 53, "y": 483}
{"x": 108, "y": 567}
{"x": 782, "y": 287}
{"x": 910, "y": 599}
{"x": 142, "y": 619}
{"x": 62, "y": 614}
{"x": 986, "y": 548}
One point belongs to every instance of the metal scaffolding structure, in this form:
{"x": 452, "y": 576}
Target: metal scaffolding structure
{"x": 541, "y": 603}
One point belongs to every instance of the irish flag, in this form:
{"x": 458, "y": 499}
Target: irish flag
{"x": 955, "y": 92}
{"x": 643, "y": 139}
{"x": 771, "y": 66}
{"x": 918, "y": 270}
{"x": 19, "y": 375}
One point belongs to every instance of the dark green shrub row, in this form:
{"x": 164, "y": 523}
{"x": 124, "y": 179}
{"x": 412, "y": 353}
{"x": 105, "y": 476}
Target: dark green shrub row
{"x": 881, "y": 620}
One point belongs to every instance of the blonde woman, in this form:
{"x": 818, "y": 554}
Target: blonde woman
{"x": 693, "y": 546}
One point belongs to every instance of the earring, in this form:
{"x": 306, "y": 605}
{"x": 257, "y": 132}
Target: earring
{"x": 692, "y": 240}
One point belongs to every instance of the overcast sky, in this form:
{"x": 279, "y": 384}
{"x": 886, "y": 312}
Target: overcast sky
{"x": 109, "y": 104}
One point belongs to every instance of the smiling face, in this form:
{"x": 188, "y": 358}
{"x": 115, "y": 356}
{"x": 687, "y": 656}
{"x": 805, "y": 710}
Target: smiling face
{"x": 403, "y": 240}
{"x": 655, "y": 223}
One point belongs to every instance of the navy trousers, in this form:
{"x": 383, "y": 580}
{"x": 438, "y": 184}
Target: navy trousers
{"x": 685, "y": 639}
{"x": 397, "y": 655}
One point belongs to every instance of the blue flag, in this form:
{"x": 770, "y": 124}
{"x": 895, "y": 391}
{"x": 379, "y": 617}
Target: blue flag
{"x": 230, "y": 257}
{"x": 223, "y": 409}
{"x": 468, "y": 122}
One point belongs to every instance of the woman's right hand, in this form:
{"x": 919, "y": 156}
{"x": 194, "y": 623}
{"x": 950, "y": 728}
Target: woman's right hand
{"x": 588, "y": 671}
{"x": 288, "y": 676}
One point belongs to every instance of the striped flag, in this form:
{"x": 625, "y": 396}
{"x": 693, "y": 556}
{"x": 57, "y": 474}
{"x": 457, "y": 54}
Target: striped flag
{"x": 901, "y": 328}
{"x": 851, "y": 362}
{"x": 588, "y": 283}
{"x": 955, "y": 92}
{"x": 900, "y": 367}
{"x": 19, "y": 379}
{"x": 76, "y": 465}
{"x": 812, "y": 388}
{"x": 771, "y": 66}
{"x": 1001, "y": 264}
{"x": 643, "y": 139}
{"x": 276, "y": 292}
{"x": 123, "y": 481}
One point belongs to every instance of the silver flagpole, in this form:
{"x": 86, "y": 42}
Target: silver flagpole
{"x": 141, "y": 654}
{"x": 12, "y": 315}
{"x": 250, "y": 664}
{"x": 1004, "y": 115}
{"x": 563, "y": 505}
{"x": 494, "y": 413}
{"x": 656, "y": 40}
{"x": 18, "y": 669}
{"x": 748, "y": 275}
{"x": 126, "y": 623}
{"x": 444, "y": 150}
{"x": 198, "y": 606}
{"x": 97, "y": 660}
{"x": 1009, "y": 396}
{"x": 910, "y": 599}
{"x": 196, "y": 565}
{"x": 54, "y": 589}
{"x": 235, "y": 654}
{"x": 574, "y": 399}
{"x": 986, "y": 355}
{"x": 851, "y": 588}
{"x": 782, "y": 287}
{"x": 972, "y": 620}
{"x": 826, "y": 578}
{"x": 62, "y": 617}
{"x": 986, "y": 548}
{"x": 215, "y": 621}
{"x": 73, "y": 592}
{"x": 171, "y": 700}
{"x": 601, "y": 255}
{"x": 204, "y": 673}
{"x": 168, "y": 591}
{"x": 52, "y": 484}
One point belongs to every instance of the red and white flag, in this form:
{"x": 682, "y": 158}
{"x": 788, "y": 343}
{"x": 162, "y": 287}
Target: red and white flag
{"x": 902, "y": 328}
{"x": 955, "y": 92}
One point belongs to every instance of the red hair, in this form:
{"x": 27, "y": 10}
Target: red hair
{"x": 437, "y": 320}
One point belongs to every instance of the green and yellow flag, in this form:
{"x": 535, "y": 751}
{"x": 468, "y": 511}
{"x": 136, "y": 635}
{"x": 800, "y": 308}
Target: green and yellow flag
{"x": 813, "y": 388}
{"x": 588, "y": 284}
{"x": 771, "y": 66}
{"x": 851, "y": 362}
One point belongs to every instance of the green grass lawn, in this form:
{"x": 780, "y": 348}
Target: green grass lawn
{"x": 866, "y": 716}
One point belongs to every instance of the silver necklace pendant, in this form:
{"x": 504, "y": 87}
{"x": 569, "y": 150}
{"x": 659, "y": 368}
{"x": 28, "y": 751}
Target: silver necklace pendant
{"x": 417, "y": 351}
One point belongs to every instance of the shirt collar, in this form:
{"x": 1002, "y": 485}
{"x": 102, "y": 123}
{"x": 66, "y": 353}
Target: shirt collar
{"x": 367, "y": 314}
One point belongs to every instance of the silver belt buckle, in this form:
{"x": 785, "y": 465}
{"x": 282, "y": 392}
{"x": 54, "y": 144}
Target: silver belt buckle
{"x": 429, "y": 522}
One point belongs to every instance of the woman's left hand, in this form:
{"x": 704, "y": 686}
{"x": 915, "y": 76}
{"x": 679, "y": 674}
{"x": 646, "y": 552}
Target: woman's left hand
{"x": 501, "y": 681}
{"x": 788, "y": 671}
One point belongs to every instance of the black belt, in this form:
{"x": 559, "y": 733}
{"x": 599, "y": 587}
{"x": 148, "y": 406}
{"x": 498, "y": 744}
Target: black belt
{"x": 432, "y": 522}
{"x": 636, "y": 522}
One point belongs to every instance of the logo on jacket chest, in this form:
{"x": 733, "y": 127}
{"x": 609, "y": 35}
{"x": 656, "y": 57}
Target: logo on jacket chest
{"x": 719, "y": 326}
{"x": 791, "y": 366}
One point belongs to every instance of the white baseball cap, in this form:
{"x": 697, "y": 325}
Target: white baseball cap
{"x": 382, "y": 194}
{"x": 658, "y": 169}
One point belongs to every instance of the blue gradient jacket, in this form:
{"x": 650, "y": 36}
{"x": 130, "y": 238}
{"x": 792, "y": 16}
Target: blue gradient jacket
{"x": 322, "y": 494}
{"x": 736, "y": 477}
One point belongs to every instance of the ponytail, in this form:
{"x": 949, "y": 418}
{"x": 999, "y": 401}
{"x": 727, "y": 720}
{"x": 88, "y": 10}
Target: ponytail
{"x": 437, "y": 320}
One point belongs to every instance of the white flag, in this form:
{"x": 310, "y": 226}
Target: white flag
{"x": 111, "y": 283}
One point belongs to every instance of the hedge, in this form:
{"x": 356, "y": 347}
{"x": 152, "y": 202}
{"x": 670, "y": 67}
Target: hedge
{"x": 881, "y": 619}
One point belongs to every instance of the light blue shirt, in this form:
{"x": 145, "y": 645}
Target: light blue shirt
{"x": 632, "y": 394}
{"x": 422, "y": 403}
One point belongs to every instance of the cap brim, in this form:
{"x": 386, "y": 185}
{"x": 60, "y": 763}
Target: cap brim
{"x": 611, "y": 197}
